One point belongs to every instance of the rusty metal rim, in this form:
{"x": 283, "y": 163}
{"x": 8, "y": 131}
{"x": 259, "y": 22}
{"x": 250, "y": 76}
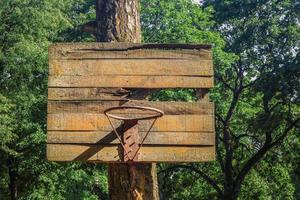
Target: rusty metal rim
{"x": 159, "y": 112}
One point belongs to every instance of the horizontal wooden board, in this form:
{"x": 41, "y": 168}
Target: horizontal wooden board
{"x": 131, "y": 81}
{"x": 128, "y": 51}
{"x": 96, "y": 122}
{"x": 169, "y": 108}
{"x": 101, "y": 153}
{"x": 143, "y": 67}
{"x": 154, "y": 138}
{"x": 103, "y": 65}
{"x": 86, "y": 94}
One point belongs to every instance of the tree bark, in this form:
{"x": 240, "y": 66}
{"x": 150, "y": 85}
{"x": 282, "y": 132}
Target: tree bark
{"x": 132, "y": 181}
{"x": 119, "y": 21}
{"x": 12, "y": 181}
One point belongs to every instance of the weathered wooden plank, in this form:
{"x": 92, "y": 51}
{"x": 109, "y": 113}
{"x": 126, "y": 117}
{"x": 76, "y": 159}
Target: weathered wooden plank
{"x": 169, "y": 108}
{"x": 96, "y": 122}
{"x": 143, "y": 67}
{"x": 131, "y": 81}
{"x": 154, "y": 138}
{"x": 131, "y": 54}
{"x": 101, "y": 153}
{"x": 120, "y": 46}
{"x": 127, "y": 50}
{"x": 86, "y": 94}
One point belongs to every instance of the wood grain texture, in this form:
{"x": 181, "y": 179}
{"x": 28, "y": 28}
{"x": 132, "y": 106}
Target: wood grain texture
{"x": 154, "y": 138}
{"x": 128, "y": 50}
{"x": 113, "y": 153}
{"x": 133, "y": 67}
{"x": 96, "y": 122}
{"x": 131, "y": 81}
{"x": 169, "y": 108}
{"x": 130, "y": 66}
{"x": 86, "y": 94}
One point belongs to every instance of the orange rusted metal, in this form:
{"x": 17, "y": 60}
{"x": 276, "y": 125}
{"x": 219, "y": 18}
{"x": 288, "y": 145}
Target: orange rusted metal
{"x": 130, "y": 140}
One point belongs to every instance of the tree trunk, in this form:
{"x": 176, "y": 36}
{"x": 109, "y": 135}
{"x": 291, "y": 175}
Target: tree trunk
{"x": 230, "y": 195}
{"x": 12, "y": 181}
{"x": 119, "y": 21}
{"x": 132, "y": 181}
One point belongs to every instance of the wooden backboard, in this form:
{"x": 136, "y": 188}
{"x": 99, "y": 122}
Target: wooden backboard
{"x": 86, "y": 78}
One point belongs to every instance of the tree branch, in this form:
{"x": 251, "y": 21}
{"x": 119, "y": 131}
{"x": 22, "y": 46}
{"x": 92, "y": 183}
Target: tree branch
{"x": 260, "y": 154}
{"x": 220, "y": 78}
{"x": 207, "y": 178}
{"x": 219, "y": 156}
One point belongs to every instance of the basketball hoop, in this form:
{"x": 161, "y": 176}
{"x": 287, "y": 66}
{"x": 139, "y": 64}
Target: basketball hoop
{"x": 130, "y": 141}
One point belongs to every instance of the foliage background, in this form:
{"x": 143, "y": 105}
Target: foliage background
{"x": 259, "y": 37}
